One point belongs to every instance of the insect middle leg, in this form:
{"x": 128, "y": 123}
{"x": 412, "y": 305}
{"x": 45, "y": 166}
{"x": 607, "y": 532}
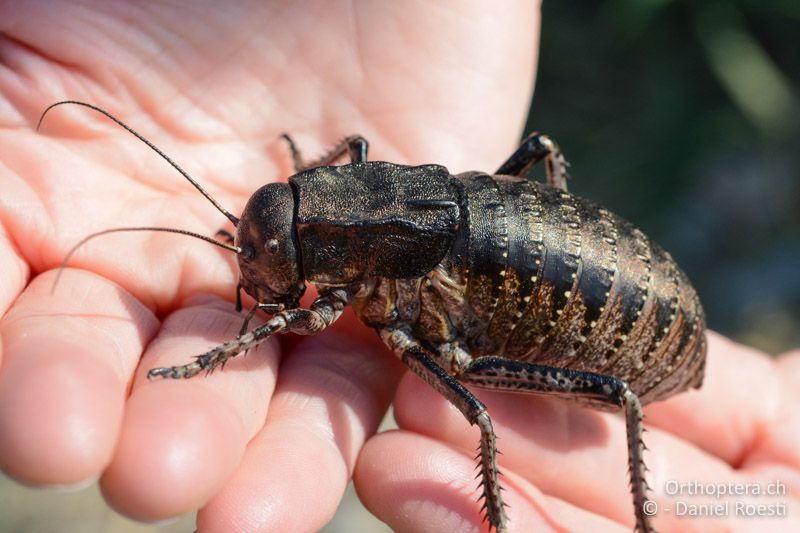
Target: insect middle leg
{"x": 423, "y": 364}
{"x": 533, "y": 149}
{"x": 355, "y": 146}
{"x": 586, "y": 388}
{"x": 323, "y": 312}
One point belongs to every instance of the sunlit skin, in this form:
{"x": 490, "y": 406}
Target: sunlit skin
{"x": 269, "y": 443}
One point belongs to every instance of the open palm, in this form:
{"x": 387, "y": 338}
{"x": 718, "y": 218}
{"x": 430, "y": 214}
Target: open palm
{"x": 270, "y": 442}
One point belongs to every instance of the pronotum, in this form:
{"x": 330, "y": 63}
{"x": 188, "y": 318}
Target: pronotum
{"x": 489, "y": 280}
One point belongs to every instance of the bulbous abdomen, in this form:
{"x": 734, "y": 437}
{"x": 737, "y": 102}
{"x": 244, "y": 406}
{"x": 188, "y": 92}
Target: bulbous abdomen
{"x": 554, "y": 279}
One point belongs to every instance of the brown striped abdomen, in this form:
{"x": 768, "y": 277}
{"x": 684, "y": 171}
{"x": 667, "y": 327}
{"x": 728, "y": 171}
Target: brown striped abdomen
{"x": 554, "y": 279}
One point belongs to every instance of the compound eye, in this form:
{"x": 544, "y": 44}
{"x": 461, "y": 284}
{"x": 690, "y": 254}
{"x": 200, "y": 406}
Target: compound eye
{"x": 272, "y": 246}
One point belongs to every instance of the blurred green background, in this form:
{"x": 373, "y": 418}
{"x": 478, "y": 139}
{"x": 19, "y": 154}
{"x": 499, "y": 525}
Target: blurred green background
{"x": 684, "y": 117}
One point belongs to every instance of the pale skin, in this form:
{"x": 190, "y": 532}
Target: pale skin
{"x": 270, "y": 442}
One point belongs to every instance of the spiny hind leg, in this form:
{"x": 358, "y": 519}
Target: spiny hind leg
{"x": 533, "y": 149}
{"x": 423, "y": 363}
{"x": 355, "y": 146}
{"x": 586, "y": 388}
{"x": 323, "y": 312}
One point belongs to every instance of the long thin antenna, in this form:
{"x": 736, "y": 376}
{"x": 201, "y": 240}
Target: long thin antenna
{"x": 175, "y": 165}
{"x": 138, "y": 228}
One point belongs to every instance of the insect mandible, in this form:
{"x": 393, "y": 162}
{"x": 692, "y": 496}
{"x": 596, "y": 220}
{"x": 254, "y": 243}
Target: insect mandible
{"x": 489, "y": 280}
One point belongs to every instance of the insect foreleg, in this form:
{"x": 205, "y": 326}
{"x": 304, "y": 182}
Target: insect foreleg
{"x": 533, "y": 149}
{"x": 422, "y": 363}
{"x": 323, "y": 312}
{"x": 586, "y": 388}
{"x": 355, "y": 146}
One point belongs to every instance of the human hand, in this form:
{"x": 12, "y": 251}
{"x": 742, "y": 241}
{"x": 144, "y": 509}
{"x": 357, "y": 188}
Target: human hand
{"x": 271, "y": 441}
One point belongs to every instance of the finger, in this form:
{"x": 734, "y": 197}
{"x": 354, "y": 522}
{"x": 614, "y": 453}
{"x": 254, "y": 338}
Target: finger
{"x": 777, "y": 438}
{"x": 68, "y": 360}
{"x": 414, "y": 483}
{"x": 331, "y": 395}
{"x": 725, "y": 417}
{"x": 182, "y": 439}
